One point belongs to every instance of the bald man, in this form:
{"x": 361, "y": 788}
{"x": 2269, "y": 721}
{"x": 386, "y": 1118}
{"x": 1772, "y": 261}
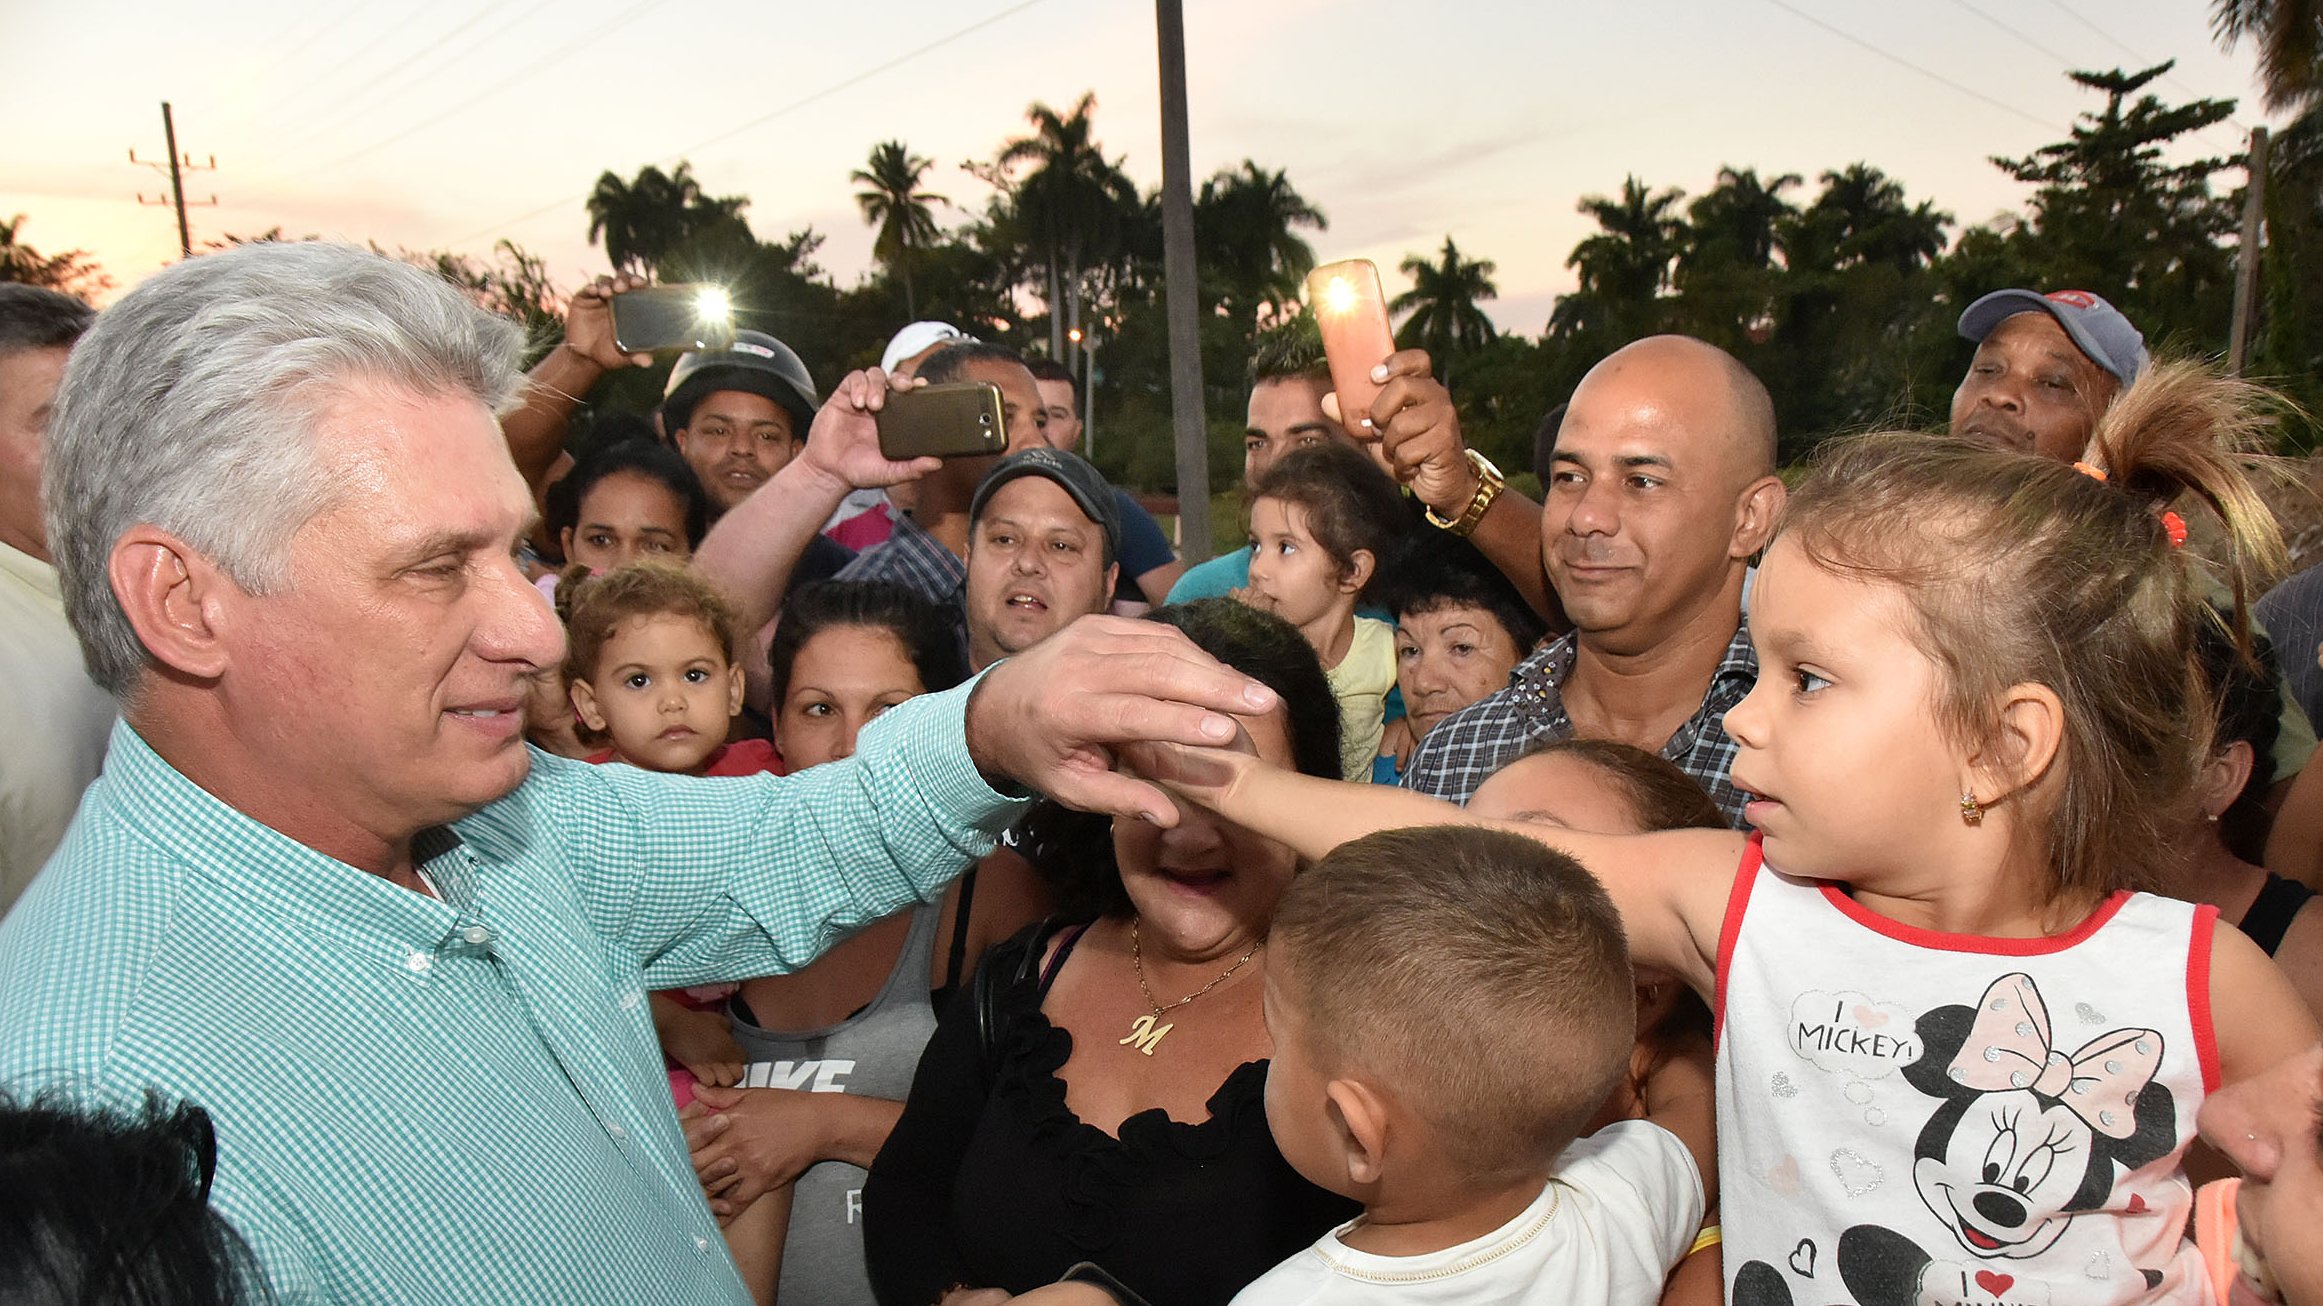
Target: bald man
{"x": 1661, "y": 487}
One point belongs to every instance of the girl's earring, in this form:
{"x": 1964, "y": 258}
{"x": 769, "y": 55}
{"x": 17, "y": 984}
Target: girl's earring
{"x": 1971, "y": 811}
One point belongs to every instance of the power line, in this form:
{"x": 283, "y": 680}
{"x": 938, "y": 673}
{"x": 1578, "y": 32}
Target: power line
{"x": 1899, "y": 60}
{"x": 2068, "y": 65}
{"x": 2051, "y": 55}
{"x": 2142, "y": 61}
{"x": 328, "y": 77}
{"x": 762, "y": 120}
{"x": 501, "y": 86}
{"x": 317, "y": 131}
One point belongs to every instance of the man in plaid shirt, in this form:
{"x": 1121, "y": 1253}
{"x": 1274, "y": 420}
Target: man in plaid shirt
{"x": 1661, "y": 490}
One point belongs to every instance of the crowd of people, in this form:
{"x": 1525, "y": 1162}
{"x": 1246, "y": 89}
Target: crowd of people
{"x": 462, "y": 844}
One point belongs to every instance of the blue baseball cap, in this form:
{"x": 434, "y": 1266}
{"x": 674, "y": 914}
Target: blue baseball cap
{"x": 2097, "y": 328}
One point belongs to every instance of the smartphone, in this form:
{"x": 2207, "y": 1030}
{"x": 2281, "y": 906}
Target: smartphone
{"x": 957, "y": 419}
{"x": 1351, "y": 309}
{"x": 672, "y": 317}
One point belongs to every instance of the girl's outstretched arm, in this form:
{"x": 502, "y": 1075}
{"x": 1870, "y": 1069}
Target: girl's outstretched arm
{"x": 1671, "y": 888}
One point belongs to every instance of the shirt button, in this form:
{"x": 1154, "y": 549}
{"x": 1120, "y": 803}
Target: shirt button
{"x": 619, "y": 1134}
{"x": 419, "y": 962}
{"x": 701, "y": 1244}
{"x": 629, "y": 1001}
{"x": 477, "y": 934}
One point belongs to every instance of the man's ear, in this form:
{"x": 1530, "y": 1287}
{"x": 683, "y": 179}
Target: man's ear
{"x": 2032, "y": 730}
{"x": 1756, "y": 514}
{"x": 736, "y": 683}
{"x": 585, "y": 705}
{"x": 1359, "y": 569}
{"x": 1112, "y": 582}
{"x": 176, "y": 599}
{"x": 1362, "y": 1119}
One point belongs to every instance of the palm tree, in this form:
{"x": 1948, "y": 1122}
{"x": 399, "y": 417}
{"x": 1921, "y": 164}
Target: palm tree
{"x": 1442, "y": 302}
{"x": 1074, "y": 202}
{"x": 1734, "y": 222}
{"x": 2289, "y": 36}
{"x": 642, "y": 221}
{"x": 1248, "y": 219}
{"x": 1626, "y": 266}
{"x": 893, "y": 202}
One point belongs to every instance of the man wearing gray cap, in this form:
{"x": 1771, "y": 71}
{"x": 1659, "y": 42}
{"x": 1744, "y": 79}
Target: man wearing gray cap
{"x": 1044, "y": 542}
{"x": 2046, "y": 367}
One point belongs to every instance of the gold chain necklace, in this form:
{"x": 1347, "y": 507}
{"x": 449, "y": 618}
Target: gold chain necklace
{"x": 1145, "y": 1032}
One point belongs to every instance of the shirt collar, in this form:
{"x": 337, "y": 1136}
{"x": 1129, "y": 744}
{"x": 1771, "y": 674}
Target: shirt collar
{"x": 273, "y": 875}
{"x": 1539, "y": 680}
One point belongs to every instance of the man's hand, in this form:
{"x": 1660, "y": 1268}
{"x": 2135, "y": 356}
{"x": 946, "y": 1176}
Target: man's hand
{"x": 1419, "y": 433}
{"x": 746, "y": 1141}
{"x": 1050, "y": 718}
{"x": 589, "y": 323}
{"x": 843, "y": 444}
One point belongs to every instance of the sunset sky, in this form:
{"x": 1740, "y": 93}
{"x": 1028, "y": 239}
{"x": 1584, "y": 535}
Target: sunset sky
{"x": 450, "y": 124}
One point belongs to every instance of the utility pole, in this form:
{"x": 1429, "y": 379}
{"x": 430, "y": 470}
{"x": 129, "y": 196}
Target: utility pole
{"x": 1189, "y": 415}
{"x": 178, "y": 166}
{"x": 2254, "y": 207}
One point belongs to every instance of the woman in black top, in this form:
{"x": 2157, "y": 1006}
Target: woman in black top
{"x": 1098, "y": 1094}
{"x": 2221, "y": 867}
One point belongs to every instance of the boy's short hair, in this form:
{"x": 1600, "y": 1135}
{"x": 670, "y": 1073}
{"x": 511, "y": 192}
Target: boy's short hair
{"x": 1349, "y": 503}
{"x": 1478, "y": 977}
{"x": 595, "y": 606}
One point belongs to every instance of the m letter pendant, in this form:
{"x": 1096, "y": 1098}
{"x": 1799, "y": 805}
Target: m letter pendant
{"x": 1145, "y": 1034}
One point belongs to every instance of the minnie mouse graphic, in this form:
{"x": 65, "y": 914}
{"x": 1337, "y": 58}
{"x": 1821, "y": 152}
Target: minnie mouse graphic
{"x": 2026, "y": 1138}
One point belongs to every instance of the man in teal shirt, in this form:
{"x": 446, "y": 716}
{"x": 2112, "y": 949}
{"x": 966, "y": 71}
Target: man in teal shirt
{"x": 325, "y": 890}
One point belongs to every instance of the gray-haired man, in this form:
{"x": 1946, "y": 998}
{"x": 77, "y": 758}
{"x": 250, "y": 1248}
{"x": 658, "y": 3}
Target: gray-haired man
{"x": 323, "y": 888}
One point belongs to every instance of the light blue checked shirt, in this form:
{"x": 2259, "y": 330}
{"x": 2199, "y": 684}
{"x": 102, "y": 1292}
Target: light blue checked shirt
{"x": 461, "y": 1101}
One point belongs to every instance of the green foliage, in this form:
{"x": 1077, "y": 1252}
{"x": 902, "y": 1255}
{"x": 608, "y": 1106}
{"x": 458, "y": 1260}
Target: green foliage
{"x": 643, "y": 221}
{"x": 72, "y": 272}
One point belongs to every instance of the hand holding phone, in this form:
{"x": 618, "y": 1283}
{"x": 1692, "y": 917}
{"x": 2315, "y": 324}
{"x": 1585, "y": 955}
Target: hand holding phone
{"x": 1351, "y": 310}
{"x": 672, "y": 317}
{"x": 957, "y": 419}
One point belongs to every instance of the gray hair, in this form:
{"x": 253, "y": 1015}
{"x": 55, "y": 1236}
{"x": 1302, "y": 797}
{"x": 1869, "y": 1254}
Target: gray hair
{"x": 191, "y": 407}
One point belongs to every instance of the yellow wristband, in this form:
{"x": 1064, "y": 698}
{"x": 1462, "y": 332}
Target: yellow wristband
{"x": 1707, "y": 1238}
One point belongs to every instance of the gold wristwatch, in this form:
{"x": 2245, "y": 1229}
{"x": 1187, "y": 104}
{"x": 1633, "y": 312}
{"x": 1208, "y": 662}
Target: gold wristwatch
{"x": 1488, "y": 486}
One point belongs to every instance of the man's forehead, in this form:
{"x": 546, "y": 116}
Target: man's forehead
{"x": 2036, "y": 330}
{"x": 436, "y": 461}
{"x": 738, "y": 406}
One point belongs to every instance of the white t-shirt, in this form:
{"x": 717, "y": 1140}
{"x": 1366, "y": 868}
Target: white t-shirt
{"x": 55, "y": 720}
{"x": 1612, "y": 1222}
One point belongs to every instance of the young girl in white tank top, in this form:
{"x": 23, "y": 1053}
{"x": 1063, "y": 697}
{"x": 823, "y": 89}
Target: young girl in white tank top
{"x": 1960, "y": 1054}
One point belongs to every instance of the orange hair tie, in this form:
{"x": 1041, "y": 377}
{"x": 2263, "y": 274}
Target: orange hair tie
{"x": 2173, "y": 525}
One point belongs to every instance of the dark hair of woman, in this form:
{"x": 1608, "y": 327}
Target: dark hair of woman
{"x": 1429, "y": 571}
{"x": 656, "y": 462}
{"x": 1074, "y": 850}
{"x": 926, "y": 635}
{"x": 2247, "y": 696}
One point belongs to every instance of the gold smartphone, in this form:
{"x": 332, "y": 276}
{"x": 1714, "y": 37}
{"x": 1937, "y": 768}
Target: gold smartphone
{"x": 956, "y": 419}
